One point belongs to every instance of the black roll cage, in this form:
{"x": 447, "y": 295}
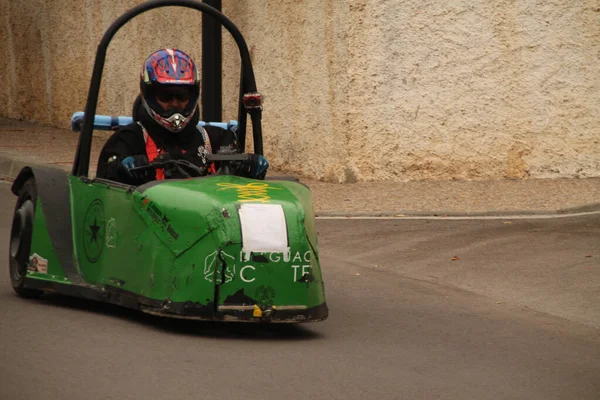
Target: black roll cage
{"x": 247, "y": 82}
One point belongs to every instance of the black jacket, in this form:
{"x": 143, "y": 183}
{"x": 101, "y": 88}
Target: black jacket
{"x": 129, "y": 141}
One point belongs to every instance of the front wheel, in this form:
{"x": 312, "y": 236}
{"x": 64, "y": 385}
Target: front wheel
{"x": 20, "y": 238}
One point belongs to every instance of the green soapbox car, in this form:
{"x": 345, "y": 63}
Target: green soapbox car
{"x": 218, "y": 247}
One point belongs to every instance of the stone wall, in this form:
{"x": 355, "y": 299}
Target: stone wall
{"x": 355, "y": 89}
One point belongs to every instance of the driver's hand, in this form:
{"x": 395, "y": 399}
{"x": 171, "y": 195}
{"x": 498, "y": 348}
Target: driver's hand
{"x": 163, "y": 157}
{"x": 256, "y": 166}
{"x": 133, "y": 162}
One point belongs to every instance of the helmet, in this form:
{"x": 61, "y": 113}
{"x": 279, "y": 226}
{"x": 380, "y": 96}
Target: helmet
{"x": 168, "y": 74}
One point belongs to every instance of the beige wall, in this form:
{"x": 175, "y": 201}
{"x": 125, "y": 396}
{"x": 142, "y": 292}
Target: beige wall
{"x": 355, "y": 89}
{"x": 50, "y": 50}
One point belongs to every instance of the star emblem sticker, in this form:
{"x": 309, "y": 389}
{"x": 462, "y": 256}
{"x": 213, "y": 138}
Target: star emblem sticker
{"x": 95, "y": 228}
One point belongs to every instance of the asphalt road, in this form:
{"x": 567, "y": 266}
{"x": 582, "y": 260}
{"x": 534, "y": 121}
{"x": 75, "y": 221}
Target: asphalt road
{"x": 406, "y": 322}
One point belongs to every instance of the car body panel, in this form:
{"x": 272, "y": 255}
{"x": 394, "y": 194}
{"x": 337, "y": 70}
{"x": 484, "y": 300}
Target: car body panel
{"x": 46, "y": 266}
{"x": 176, "y": 248}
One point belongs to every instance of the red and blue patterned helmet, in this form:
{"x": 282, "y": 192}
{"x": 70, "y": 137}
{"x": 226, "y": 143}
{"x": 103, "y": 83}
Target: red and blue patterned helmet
{"x": 169, "y": 73}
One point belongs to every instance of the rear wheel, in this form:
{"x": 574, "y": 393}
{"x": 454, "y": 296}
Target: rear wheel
{"x": 20, "y": 238}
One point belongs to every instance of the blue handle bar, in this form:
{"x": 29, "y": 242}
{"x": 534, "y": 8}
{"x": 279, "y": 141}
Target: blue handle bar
{"x": 109, "y": 123}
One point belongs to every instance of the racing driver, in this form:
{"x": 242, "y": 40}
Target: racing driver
{"x": 166, "y": 115}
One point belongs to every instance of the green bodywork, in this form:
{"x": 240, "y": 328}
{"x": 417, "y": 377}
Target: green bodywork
{"x": 176, "y": 248}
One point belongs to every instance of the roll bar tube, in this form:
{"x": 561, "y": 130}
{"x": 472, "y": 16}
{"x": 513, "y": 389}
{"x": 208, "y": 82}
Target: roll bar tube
{"x": 247, "y": 81}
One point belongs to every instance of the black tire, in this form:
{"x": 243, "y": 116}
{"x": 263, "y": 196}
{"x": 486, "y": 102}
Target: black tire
{"x": 20, "y": 238}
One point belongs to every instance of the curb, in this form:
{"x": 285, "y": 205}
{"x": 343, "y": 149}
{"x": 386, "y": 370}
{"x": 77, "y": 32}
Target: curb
{"x": 584, "y": 209}
{"x": 10, "y": 166}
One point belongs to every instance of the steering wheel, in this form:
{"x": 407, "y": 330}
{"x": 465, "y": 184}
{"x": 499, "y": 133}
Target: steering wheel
{"x": 228, "y": 164}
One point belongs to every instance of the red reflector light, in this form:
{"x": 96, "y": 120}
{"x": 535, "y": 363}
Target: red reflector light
{"x": 252, "y": 100}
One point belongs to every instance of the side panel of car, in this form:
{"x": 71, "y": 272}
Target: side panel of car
{"x": 111, "y": 244}
{"x": 49, "y": 255}
{"x": 43, "y": 262}
{"x": 126, "y": 241}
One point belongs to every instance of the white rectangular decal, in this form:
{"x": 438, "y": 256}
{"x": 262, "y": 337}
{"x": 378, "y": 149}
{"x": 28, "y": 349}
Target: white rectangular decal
{"x": 263, "y": 228}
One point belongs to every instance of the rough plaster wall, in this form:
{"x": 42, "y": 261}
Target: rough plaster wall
{"x": 355, "y": 89}
{"x": 400, "y": 90}
{"x": 475, "y": 89}
{"x": 300, "y": 55}
{"x": 53, "y": 45}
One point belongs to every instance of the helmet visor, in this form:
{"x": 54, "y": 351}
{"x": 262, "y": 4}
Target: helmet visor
{"x": 170, "y": 94}
{"x": 167, "y": 100}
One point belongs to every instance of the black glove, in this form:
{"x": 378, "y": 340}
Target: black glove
{"x": 194, "y": 158}
{"x": 181, "y": 170}
{"x": 255, "y": 167}
{"x": 128, "y": 163}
